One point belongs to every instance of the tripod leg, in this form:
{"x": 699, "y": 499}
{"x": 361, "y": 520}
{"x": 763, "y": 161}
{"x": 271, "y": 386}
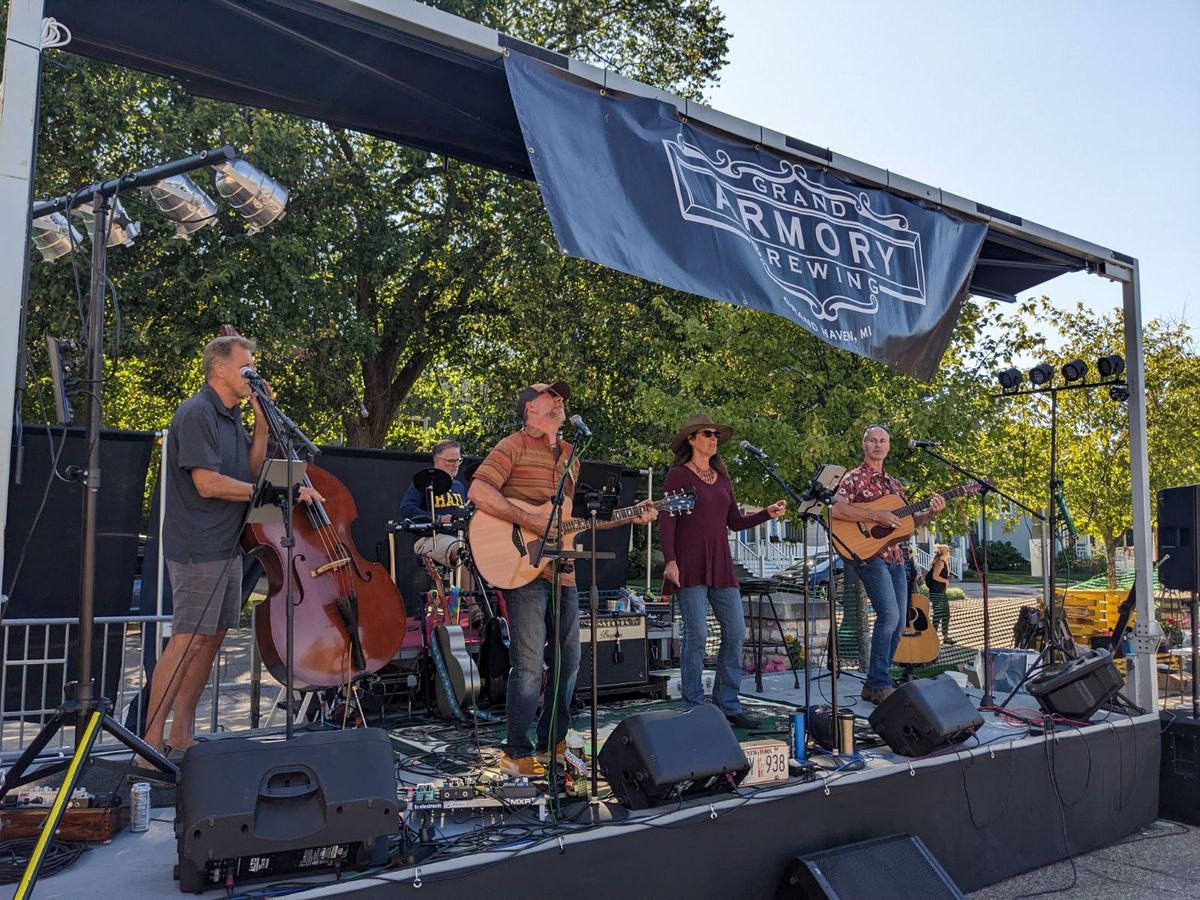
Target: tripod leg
{"x": 141, "y": 748}
{"x": 16, "y": 775}
{"x": 83, "y": 750}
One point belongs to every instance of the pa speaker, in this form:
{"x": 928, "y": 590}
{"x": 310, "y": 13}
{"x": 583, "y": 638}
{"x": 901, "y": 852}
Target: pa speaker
{"x": 925, "y": 715}
{"x": 1179, "y": 773}
{"x": 656, "y": 757}
{"x": 252, "y": 810}
{"x": 1078, "y": 687}
{"x": 888, "y": 868}
{"x": 1178, "y": 532}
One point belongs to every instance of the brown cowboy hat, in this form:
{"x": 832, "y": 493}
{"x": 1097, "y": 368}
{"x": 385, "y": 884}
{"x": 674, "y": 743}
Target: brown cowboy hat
{"x": 695, "y": 423}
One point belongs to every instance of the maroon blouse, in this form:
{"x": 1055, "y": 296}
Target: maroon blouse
{"x": 699, "y": 543}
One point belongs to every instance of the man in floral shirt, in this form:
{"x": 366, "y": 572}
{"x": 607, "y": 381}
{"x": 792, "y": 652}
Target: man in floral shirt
{"x": 885, "y": 576}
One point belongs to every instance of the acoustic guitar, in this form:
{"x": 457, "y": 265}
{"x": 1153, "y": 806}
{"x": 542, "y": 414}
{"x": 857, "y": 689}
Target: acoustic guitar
{"x": 919, "y": 644}
{"x": 504, "y": 552}
{"x": 462, "y": 673}
{"x": 866, "y": 540}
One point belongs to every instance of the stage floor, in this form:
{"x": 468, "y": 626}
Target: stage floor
{"x": 987, "y": 811}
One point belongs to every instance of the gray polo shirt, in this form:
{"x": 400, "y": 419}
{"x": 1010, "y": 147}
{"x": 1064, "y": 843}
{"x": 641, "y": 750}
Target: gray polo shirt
{"x": 205, "y": 434}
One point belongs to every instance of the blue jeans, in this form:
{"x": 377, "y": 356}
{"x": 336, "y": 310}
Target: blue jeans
{"x": 528, "y": 624}
{"x": 887, "y": 586}
{"x": 727, "y": 607}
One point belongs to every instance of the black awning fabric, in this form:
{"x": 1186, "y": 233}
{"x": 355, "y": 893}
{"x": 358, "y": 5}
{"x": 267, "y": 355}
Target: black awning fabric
{"x": 307, "y": 59}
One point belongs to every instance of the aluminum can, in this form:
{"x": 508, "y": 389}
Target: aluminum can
{"x": 799, "y": 751}
{"x": 139, "y": 807}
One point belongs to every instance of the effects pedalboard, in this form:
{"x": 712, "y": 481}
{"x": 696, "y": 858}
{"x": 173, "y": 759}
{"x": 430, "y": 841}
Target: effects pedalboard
{"x": 482, "y": 797}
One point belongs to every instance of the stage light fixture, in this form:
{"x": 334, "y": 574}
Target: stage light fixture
{"x": 1110, "y": 366}
{"x": 53, "y": 234}
{"x": 1118, "y": 392}
{"x": 180, "y": 200}
{"x": 121, "y": 228}
{"x": 1075, "y": 370}
{"x": 1041, "y": 374}
{"x": 1010, "y": 379}
{"x": 257, "y": 197}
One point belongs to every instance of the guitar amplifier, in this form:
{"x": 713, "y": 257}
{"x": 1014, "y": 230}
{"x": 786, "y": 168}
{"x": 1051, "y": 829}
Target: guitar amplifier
{"x": 621, "y": 653}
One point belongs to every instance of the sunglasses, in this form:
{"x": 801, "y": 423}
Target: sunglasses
{"x": 707, "y": 432}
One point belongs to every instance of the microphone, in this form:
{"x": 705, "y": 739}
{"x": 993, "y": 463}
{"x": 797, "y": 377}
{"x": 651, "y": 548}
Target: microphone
{"x": 577, "y": 421}
{"x": 913, "y": 445}
{"x": 752, "y": 450}
{"x": 249, "y": 374}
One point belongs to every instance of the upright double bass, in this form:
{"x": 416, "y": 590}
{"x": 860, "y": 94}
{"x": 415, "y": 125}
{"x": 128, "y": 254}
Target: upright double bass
{"x": 348, "y": 615}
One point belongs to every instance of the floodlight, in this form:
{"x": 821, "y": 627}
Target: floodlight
{"x": 1110, "y": 366}
{"x": 180, "y": 200}
{"x": 257, "y": 197}
{"x": 1010, "y": 379}
{"x": 53, "y": 235}
{"x": 1075, "y": 370}
{"x": 1041, "y": 374}
{"x": 121, "y": 229}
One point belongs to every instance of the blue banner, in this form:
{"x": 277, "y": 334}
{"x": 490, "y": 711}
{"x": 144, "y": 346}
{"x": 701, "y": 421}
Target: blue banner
{"x": 629, "y": 185}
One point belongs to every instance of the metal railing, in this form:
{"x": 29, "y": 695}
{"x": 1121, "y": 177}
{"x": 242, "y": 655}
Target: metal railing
{"x": 38, "y": 656}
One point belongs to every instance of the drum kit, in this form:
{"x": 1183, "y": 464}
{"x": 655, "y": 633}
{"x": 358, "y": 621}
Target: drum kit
{"x": 460, "y": 612}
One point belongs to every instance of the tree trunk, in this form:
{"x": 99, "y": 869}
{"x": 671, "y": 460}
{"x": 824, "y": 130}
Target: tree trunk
{"x": 1110, "y": 557}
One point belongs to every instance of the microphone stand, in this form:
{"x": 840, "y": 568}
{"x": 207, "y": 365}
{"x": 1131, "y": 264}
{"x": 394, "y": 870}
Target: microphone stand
{"x": 283, "y": 432}
{"x": 555, "y": 518}
{"x": 819, "y": 494}
{"x": 985, "y": 487}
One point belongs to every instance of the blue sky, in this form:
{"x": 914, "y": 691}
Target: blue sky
{"x": 1081, "y": 116}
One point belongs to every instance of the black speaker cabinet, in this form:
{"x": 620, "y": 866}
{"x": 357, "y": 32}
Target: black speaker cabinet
{"x": 1178, "y": 532}
{"x": 251, "y": 810}
{"x": 1078, "y": 687}
{"x": 925, "y": 715}
{"x": 622, "y": 659}
{"x": 1179, "y": 774}
{"x": 888, "y": 868}
{"x": 657, "y": 757}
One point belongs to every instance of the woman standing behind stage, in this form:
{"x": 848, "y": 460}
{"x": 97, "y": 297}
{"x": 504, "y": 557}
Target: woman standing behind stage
{"x": 699, "y": 564}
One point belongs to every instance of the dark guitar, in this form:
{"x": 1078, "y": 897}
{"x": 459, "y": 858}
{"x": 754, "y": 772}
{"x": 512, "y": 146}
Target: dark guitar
{"x": 866, "y": 540}
{"x": 920, "y": 643}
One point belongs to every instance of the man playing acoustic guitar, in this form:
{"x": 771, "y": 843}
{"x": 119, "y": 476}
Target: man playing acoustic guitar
{"x": 527, "y": 465}
{"x": 884, "y": 576}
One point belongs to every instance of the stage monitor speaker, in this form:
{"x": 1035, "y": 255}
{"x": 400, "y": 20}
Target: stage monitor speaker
{"x": 1078, "y": 687}
{"x": 886, "y": 868}
{"x": 1179, "y": 773}
{"x": 660, "y": 757}
{"x": 925, "y": 715}
{"x": 621, "y": 654}
{"x": 1178, "y": 533}
{"x": 250, "y": 810}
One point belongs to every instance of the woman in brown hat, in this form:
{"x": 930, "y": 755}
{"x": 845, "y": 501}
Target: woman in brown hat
{"x": 699, "y": 564}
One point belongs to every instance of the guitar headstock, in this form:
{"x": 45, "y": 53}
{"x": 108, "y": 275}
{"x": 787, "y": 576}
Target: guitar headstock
{"x": 675, "y": 502}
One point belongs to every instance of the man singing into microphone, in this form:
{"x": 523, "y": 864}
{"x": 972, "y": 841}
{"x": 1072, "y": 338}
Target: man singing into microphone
{"x": 885, "y": 577}
{"x": 210, "y": 471}
{"x": 527, "y": 465}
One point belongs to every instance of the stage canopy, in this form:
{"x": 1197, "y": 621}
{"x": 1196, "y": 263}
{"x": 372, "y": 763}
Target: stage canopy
{"x": 409, "y": 73}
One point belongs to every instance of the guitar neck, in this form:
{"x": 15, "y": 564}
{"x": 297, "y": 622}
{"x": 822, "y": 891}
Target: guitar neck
{"x": 914, "y": 508}
{"x": 579, "y": 524}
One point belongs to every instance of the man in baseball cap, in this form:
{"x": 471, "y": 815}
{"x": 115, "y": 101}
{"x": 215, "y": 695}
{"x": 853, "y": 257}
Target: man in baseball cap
{"x": 558, "y": 388}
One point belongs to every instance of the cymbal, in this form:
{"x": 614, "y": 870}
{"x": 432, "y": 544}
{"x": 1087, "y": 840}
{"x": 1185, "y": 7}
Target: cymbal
{"x": 440, "y": 480}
